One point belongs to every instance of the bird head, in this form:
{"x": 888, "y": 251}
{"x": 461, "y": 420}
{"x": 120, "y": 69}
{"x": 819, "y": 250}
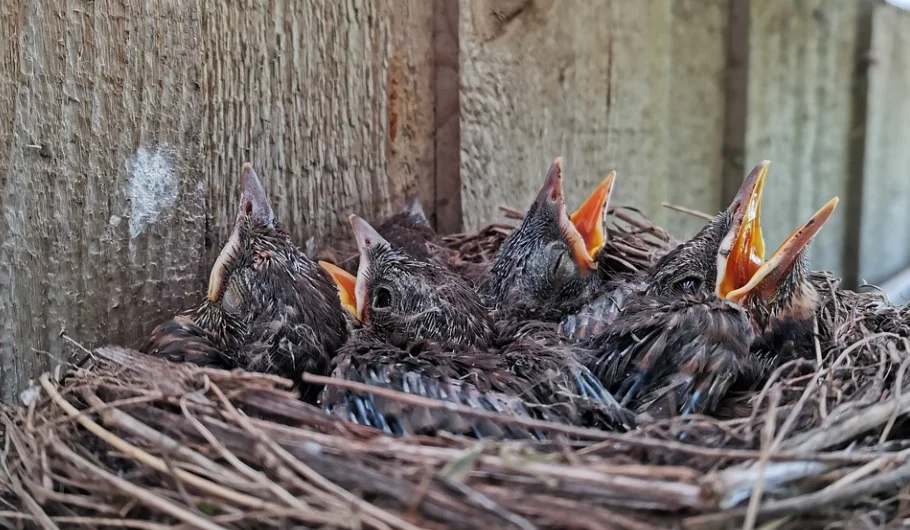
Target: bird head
{"x": 545, "y": 266}
{"x": 727, "y": 257}
{"x": 777, "y": 286}
{"x": 395, "y": 293}
{"x": 271, "y": 306}
{"x": 410, "y": 230}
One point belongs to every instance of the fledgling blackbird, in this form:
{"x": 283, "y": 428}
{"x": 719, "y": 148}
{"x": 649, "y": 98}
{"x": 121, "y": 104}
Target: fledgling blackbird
{"x": 411, "y": 231}
{"x": 269, "y": 308}
{"x": 712, "y": 313}
{"x": 777, "y": 293}
{"x": 408, "y": 229}
{"x": 545, "y": 268}
{"x": 427, "y": 332}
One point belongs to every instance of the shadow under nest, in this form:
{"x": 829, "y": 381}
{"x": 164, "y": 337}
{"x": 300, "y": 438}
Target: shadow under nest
{"x": 131, "y": 441}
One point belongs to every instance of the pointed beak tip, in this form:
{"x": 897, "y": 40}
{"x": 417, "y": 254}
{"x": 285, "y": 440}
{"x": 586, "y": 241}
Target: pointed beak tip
{"x": 364, "y": 233}
{"x": 358, "y": 225}
{"x": 551, "y": 191}
{"x": 248, "y": 175}
{"x": 825, "y": 212}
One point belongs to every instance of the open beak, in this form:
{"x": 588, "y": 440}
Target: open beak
{"x": 742, "y": 251}
{"x": 772, "y": 272}
{"x": 590, "y": 218}
{"x": 346, "y": 283}
{"x": 367, "y": 238}
{"x": 551, "y": 195}
{"x": 741, "y": 265}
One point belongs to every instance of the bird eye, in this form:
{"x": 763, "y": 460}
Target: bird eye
{"x": 563, "y": 268}
{"x": 689, "y": 285}
{"x": 382, "y": 298}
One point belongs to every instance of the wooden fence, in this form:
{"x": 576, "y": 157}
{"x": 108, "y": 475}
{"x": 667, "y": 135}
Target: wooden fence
{"x": 123, "y": 125}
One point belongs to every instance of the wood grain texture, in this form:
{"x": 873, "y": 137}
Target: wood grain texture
{"x": 636, "y": 87}
{"x": 801, "y": 63}
{"x": 695, "y": 139}
{"x": 448, "y": 116}
{"x": 331, "y": 101}
{"x": 102, "y": 203}
{"x": 587, "y": 81}
{"x": 124, "y": 125}
{"x": 885, "y": 221}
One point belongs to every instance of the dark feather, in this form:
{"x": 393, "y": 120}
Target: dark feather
{"x": 523, "y": 365}
{"x": 556, "y": 374}
{"x": 597, "y": 316}
{"x": 473, "y": 379}
{"x": 181, "y": 340}
{"x": 689, "y": 350}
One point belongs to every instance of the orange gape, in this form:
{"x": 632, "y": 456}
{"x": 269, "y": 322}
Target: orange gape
{"x": 589, "y": 217}
{"x": 771, "y": 273}
{"x": 345, "y": 282}
{"x": 748, "y": 252}
{"x": 745, "y": 269}
{"x": 551, "y": 193}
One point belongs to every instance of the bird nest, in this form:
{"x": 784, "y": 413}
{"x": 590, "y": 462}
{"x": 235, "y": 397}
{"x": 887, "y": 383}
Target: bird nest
{"x": 131, "y": 441}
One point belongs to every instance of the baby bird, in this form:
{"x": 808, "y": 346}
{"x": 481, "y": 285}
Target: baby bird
{"x": 546, "y": 268}
{"x": 427, "y": 332}
{"x": 408, "y": 229}
{"x": 411, "y": 231}
{"x": 269, "y": 308}
{"x": 713, "y": 312}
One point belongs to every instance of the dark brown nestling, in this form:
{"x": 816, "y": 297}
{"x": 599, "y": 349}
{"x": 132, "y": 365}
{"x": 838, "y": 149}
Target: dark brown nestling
{"x": 407, "y": 305}
{"x": 709, "y": 306}
{"x": 411, "y": 231}
{"x": 781, "y": 300}
{"x": 269, "y": 308}
{"x": 395, "y": 292}
{"x": 545, "y": 269}
{"x": 408, "y": 230}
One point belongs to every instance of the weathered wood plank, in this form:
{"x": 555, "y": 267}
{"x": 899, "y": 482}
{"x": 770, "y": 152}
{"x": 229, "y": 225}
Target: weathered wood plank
{"x": 124, "y": 125}
{"x": 885, "y": 222}
{"x": 586, "y": 80}
{"x": 801, "y": 62}
{"x": 695, "y": 140}
{"x": 102, "y": 200}
{"x": 331, "y": 101}
{"x": 636, "y": 87}
{"x": 448, "y": 117}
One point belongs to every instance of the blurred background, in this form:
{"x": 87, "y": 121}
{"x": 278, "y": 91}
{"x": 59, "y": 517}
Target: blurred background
{"x": 123, "y": 126}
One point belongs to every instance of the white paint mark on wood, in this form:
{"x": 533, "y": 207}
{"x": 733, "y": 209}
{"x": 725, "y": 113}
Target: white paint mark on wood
{"x": 151, "y": 187}
{"x": 29, "y": 396}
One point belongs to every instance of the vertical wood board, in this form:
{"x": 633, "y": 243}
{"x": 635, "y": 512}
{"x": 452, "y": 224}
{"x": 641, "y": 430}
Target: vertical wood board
{"x": 885, "y": 222}
{"x": 801, "y": 63}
